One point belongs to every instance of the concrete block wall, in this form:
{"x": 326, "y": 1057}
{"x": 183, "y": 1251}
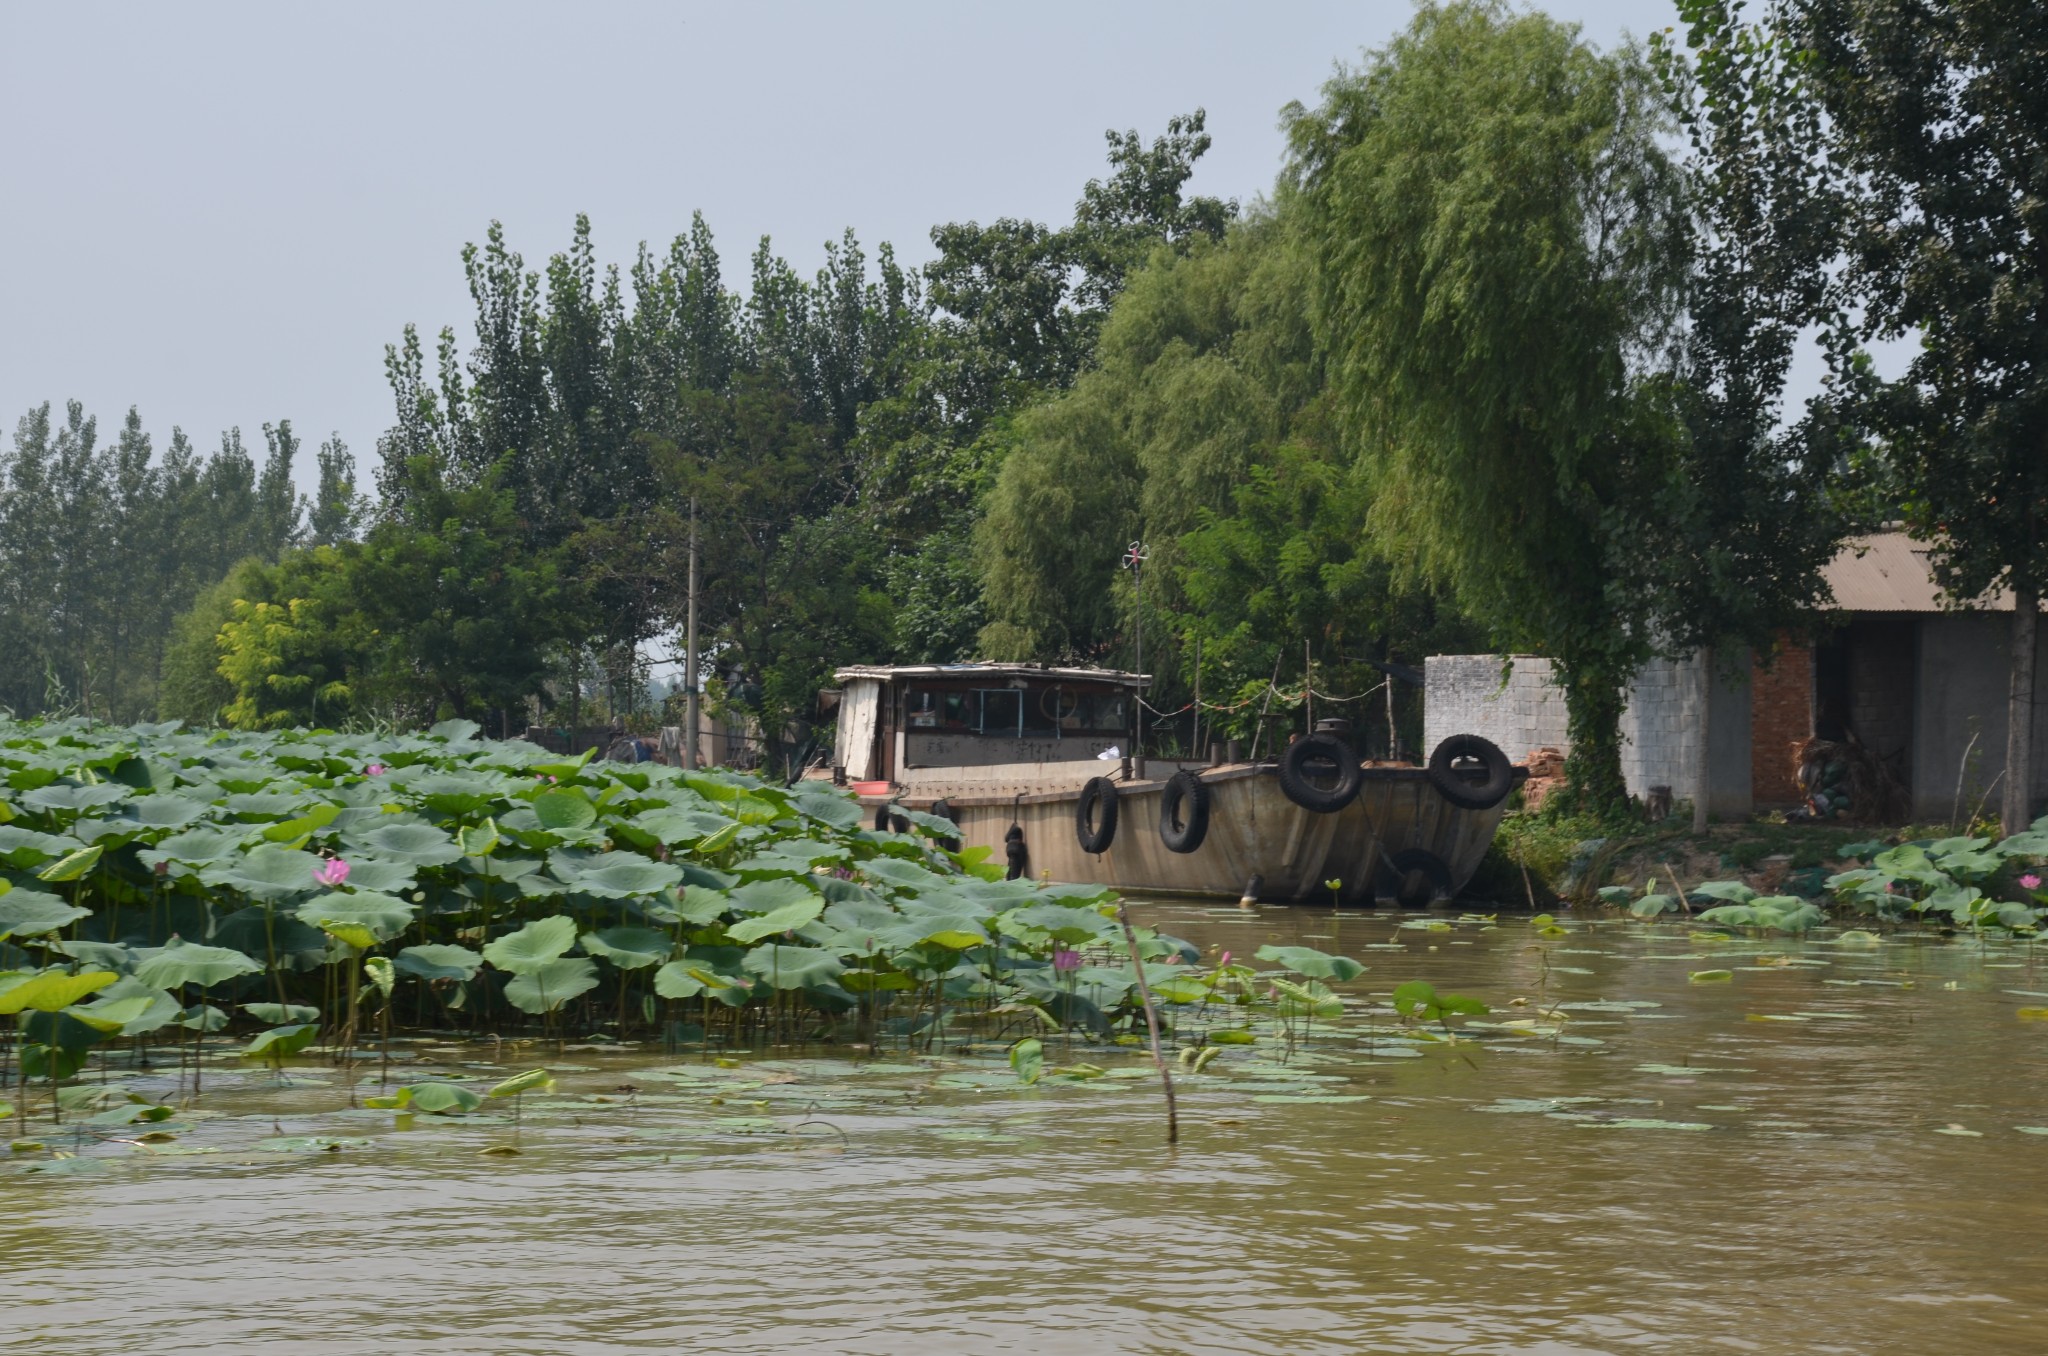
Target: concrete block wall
{"x": 1466, "y": 694}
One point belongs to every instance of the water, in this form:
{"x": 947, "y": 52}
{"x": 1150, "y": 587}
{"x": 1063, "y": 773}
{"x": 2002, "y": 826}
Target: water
{"x": 1831, "y": 1207}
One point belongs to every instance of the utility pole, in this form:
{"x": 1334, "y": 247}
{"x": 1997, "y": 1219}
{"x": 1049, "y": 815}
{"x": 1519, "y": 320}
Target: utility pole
{"x": 690, "y": 651}
{"x": 1134, "y": 559}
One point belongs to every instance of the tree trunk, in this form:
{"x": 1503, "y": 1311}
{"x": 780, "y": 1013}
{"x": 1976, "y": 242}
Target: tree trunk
{"x": 1703, "y": 776}
{"x": 2019, "y": 714}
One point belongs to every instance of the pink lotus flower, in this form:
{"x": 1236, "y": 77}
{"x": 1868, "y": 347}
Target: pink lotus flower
{"x": 1065, "y": 961}
{"x": 374, "y": 770}
{"x": 1225, "y": 961}
{"x": 331, "y": 872}
{"x": 2030, "y": 881}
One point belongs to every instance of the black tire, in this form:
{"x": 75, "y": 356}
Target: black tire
{"x": 1317, "y": 751}
{"x": 889, "y": 819}
{"x": 1394, "y": 875}
{"x": 1014, "y": 851}
{"x": 943, "y": 808}
{"x": 1095, "y": 815}
{"x": 1183, "y": 812}
{"x": 1471, "y": 772}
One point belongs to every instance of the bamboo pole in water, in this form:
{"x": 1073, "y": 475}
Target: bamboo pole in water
{"x": 1151, "y": 1026}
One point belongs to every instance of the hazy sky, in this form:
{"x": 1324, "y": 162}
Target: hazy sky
{"x": 223, "y": 213}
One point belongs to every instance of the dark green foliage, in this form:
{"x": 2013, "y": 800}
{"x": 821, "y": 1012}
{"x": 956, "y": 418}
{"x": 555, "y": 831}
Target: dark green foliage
{"x": 1499, "y": 248}
{"x": 1938, "y": 134}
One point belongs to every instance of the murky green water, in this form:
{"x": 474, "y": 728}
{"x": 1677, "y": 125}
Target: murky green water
{"x": 1862, "y": 1185}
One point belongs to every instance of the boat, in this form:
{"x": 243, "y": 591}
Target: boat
{"x": 1040, "y": 764}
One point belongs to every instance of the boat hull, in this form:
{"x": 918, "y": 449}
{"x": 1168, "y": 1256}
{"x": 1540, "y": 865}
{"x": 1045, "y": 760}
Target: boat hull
{"x": 1259, "y": 844}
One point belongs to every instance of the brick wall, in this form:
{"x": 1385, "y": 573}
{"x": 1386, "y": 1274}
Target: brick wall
{"x": 1781, "y": 704}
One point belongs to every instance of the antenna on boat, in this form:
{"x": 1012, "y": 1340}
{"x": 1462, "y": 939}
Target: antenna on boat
{"x": 1134, "y": 558}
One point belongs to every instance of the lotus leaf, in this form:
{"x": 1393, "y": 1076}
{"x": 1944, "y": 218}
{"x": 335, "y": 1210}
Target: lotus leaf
{"x": 838, "y": 811}
{"x": 26, "y": 848}
{"x": 629, "y": 948}
{"x": 181, "y": 963}
{"x": 298, "y": 830}
{"x": 76, "y": 799}
{"x": 1027, "y": 1059}
{"x": 625, "y": 879}
{"x": 532, "y": 946}
{"x": 1314, "y": 964}
{"x": 280, "y": 1041}
{"x": 567, "y": 808}
{"x": 194, "y": 847}
{"x": 166, "y": 811}
{"x": 418, "y": 844}
{"x": 262, "y": 805}
{"x": 764, "y": 896}
{"x": 34, "y": 913}
{"x": 202, "y": 1017}
{"x": 1059, "y": 923}
{"x": 263, "y": 931}
{"x": 794, "y": 967}
{"x": 279, "y": 1014}
{"x": 545, "y": 987}
{"x": 161, "y": 1010}
{"x": 533, "y": 1080}
{"x": 783, "y": 919}
{"x": 381, "y": 916}
{"x": 49, "y": 990}
{"x": 903, "y": 875}
{"x": 687, "y": 979}
{"x": 381, "y": 874}
{"x": 438, "y": 961}
{"x": 270, "y": 873}
{"x": 677, "y": 828}
{"x": 441, "y": 1099}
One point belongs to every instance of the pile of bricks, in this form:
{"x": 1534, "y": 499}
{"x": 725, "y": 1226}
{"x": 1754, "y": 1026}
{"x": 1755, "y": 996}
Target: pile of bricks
{"x": 1546, "y": 773}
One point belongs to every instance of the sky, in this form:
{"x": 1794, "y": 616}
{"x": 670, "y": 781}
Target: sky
{"x": 222, "y": 213}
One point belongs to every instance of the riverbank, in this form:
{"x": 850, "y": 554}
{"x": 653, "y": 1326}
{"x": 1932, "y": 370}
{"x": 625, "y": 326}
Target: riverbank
{"x": 1568, "y": 858}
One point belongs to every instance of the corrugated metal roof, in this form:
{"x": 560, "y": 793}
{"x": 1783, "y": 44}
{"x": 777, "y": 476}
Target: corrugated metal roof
{"x": 990, "y": 671}
{"x": 1888, "y": 572}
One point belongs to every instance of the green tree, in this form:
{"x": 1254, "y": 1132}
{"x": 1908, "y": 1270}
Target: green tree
{"x": 1753, "y": 513}
{"x": 1499, "y": 241}
{"x": 1937, "y": 122}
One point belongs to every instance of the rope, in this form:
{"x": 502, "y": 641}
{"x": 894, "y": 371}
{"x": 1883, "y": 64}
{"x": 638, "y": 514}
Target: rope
{"x": 1285, "y": 698}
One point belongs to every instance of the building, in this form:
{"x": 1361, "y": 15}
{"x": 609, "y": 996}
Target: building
{"x": 1921, "y": 685}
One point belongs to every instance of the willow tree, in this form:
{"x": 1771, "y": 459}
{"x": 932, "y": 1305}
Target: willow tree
{"x": 1938, "y": 121}
{"x": 1499, "y": 242}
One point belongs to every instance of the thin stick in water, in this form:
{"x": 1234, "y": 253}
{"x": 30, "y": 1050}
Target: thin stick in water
{"x": 1151, "y": 1026}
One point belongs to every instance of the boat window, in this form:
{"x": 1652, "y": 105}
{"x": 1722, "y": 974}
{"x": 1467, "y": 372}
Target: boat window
{"x": 1002, "y": 711}
{"x": 936, "y": 709}
{"x": 1099, "y": 713}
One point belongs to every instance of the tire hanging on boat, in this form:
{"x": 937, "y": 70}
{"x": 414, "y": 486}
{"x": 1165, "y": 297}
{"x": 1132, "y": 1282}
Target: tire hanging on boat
{"x": 1183, "y": 812}
{"x": 943, "y": 808}
{"x": 1095, "y": 815}
{"x": 889, "y": 819}
{"x": 1015, "y": 852}
{"x": 1471, "y": 772}
{"x": 1395, "y": 871}
{"x": 1316, "y": 750}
